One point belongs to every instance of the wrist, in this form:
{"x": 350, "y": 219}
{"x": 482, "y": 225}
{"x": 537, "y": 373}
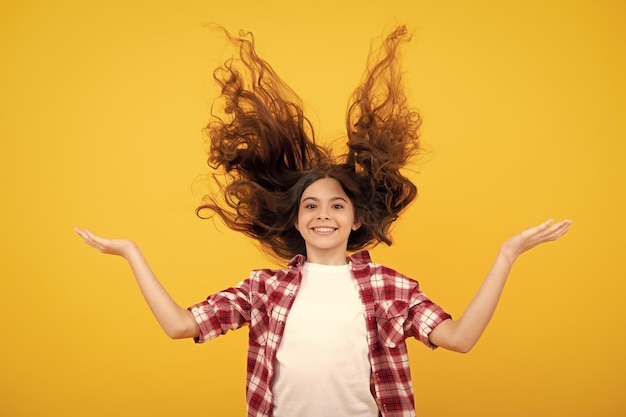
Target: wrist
{"x": 507, "y": 256}
{"x": 130, "y": 251}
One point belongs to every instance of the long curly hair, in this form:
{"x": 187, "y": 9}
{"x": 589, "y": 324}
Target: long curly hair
{"x": 263, "y": 151}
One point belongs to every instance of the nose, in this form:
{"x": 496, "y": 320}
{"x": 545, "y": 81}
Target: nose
{"x": 322, "y": 214}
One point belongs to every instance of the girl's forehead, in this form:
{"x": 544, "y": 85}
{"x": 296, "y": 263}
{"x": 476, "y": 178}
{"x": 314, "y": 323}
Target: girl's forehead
{"x": 324, "y": 187}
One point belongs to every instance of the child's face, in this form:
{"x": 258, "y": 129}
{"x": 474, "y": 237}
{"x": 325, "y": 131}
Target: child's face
{"x": 325, "y": 220}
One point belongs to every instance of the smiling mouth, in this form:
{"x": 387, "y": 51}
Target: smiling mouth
{"x": 323, "y": 229}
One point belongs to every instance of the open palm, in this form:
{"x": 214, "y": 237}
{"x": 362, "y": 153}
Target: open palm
{"x": 533, "y": 236}
{"x": 120, "y": 247}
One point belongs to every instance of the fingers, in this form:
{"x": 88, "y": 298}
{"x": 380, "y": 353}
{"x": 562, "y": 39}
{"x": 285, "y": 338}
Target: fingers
{"x": 83, "y": 233}
{"x": 559, "y": 229}
{"x": 90, "y": 239}
{"x": 545, "y": 224}
{"x": 540, "y": 227}
{"x": 547, "y": 231}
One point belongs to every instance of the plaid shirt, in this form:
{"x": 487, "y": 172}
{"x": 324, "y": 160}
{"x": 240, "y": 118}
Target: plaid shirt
{"x": 394, "y": 307}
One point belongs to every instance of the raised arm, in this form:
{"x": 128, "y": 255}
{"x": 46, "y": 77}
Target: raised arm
{"x": 462, "y": 334}
{"x": 177, "y": 322}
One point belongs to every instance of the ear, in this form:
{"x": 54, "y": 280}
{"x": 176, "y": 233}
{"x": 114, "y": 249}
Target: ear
{"x": 356, "y": 225}
{"x": 296, "y": 226}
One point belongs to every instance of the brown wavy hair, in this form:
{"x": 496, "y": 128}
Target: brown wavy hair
{"x": 263, "y": 150}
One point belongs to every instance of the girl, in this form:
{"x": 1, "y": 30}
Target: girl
{"x": 327, "y": 332}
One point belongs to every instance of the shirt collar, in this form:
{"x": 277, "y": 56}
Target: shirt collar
{"x": 297, "y": 260}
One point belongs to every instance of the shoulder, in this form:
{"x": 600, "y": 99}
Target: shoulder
{"x": 381, "y": 276}
{"x": 267, "y": 274}
{"x": 389, "y": 276}
{"x": 266, "y": 279}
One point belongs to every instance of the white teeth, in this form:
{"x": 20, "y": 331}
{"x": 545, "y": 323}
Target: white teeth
{"x": 323, "y": 229}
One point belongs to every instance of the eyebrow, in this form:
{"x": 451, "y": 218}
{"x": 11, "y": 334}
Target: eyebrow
{"x": 317, "y": 199}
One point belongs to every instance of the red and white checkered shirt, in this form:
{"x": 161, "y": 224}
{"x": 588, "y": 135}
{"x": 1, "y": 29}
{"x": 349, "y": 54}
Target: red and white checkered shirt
{"x": 394, "y": 308}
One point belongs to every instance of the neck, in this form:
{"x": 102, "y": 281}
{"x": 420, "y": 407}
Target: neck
{"x": 327, "y": 258}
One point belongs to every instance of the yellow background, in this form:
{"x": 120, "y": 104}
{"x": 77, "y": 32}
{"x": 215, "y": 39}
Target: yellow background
{"x": 101, "y": 110}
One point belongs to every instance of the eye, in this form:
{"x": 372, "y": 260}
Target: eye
{"x": 337, "y": 206}
{"x": 310, "y": 206}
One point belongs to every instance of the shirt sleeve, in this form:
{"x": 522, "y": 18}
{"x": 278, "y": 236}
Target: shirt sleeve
{"x": 221, "y": 312}
{"x": 424, "y": 316}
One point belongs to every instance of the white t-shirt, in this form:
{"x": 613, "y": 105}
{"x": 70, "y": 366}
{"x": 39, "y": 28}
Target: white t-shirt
{"x": 322, "y": 363}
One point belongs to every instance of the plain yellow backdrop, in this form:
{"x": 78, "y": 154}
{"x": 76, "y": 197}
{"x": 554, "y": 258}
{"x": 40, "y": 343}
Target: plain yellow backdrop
{"x": 101, "y": 109}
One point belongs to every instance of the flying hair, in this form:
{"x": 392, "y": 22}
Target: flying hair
{"x": 263, "y": 151}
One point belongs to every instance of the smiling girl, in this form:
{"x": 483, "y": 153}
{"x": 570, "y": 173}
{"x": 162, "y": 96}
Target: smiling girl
{"x": 327, "y": 332}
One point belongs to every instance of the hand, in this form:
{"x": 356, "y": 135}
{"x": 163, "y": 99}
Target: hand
{"x": 534, "y": 236}
{"x": 109, "y": 246}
